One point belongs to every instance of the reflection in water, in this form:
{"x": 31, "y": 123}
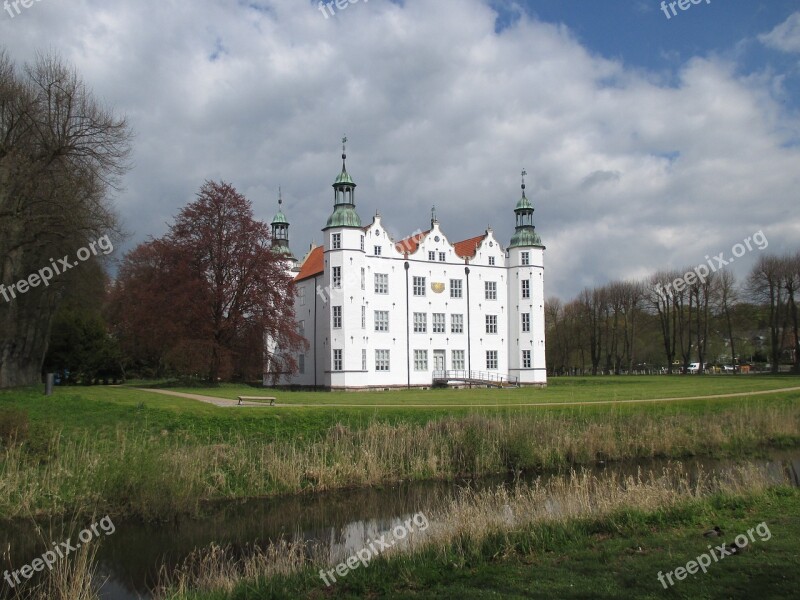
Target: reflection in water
{"x": 343, "y": 522}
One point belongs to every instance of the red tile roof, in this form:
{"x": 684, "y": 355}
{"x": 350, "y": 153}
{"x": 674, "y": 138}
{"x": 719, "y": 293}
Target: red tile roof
{"x": 313, "y": 265}
{"x": 467, "y": 248}
{"x": 410, "y": 244}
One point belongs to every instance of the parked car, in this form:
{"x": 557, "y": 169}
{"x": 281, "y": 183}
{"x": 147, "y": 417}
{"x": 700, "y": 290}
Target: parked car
{"x": 693, "y": 369}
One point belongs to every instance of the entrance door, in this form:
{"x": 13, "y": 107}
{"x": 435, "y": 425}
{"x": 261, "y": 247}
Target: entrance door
{"x": 438, "y": 360}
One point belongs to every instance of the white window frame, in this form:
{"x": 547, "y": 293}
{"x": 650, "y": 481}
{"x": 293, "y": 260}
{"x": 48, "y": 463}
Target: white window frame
{"x": 336, "y": 277}
{"x": 526, "y": 288}
{"x": 439, "y": 323}
{"x": 490, "y": 289}
{"x": 526, "y": 322}
{"x": 456, "y": 288}
{"x": 381, "y": 320}
{"x": 420, "y": 322}
{"x": 420, "y": 360}
{"x": 336, "y": 241}
{"x": 491, "y": 360}
{"x": 381, "y": 283}
{"x": 491, "y": 324}
{"x": 336, "y": 314}
{"x": 456, "y": 323}
{"x": 382, "y": 360}
{"x": 338, "y": 360}
{"x": 457, "y": 358}
{"x": 526, "y": 359}
{"x": 419, "y": 285}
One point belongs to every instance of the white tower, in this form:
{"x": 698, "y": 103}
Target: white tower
{"x": 344, "y": 279}
{"x": 526, "y": 298}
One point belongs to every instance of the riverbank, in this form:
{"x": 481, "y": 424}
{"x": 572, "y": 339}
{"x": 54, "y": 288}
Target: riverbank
{"x": 155, "y": 477}
{"x": 608, "y": 540}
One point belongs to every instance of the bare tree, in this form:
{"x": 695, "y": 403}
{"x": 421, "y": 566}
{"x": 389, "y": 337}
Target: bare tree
{"x": 765, "y": 285}
{"x": 727, "y": 297}
{"x": 61, "y": 155}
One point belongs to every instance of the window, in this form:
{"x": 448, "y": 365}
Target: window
{"x": 431, "y": 255}
{"x": 526, "y": 288}
{"x": 525, "y": 258}
{"x": 363, "y": 317}
{"x": 419, "y": 286}
{"x": 420, "y": 360}
{"x": 526, "y": 359}
{"x": 363, "y": 278}
{"x": 420, "y": 323}
{"x": 491, "y": 360}
{"x": 381, "y": 360}
{"x": 337, "y": 277}
{"x": 381, "y": 283}
{"x": 455, "y": 288}
{"x": 301, "y": 328}
{"x": 439, "y": 323}
{"x": 491, "y": 323}
{"x": 526, "y": 322}
{"x": 336, "y": 241}
{"x": 491, "y": 261}
{"x": 301, "y": 363}
{"x": 337, "y": 360}
{"x": 377, "y": 250}
{"x": 337, "y": 317}
{"x": 363, "y": 359}
{"x": 456, "y": 323}
{"x": 442, "y": 257}
{"x": 381, "y": 320}
{"x": 458, "y": 360}
{"x": 491, "y": 290}
{"x": 362, "y": 249}
{"x": 301, "y": 294}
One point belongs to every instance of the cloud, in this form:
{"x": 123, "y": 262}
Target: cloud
{"x": 630, "y": 170}
{"x": 785, "y": 37}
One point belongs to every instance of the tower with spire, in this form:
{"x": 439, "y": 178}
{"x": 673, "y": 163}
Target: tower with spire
{"x": 345, "y": 279}
{"x": 526, "y": 296}
{"x": 280, "y": 234}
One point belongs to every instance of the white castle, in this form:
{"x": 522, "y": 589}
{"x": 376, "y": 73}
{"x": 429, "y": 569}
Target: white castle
{"x": 382, "y": 314}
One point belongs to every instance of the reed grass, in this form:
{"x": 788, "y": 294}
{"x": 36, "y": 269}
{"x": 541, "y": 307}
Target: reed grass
{"x": 156, "y": 477}
{"x": 461, "y": 530}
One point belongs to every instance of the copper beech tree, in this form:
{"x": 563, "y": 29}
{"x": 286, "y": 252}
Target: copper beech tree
{"x": 203, "y": 299}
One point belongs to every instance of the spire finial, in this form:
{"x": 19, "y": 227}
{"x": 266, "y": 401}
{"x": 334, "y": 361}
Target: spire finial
{"x": 433, "y": 215}
{"x": 524, "y": 173}
{"x": 344, "y": 147}
{"x": 280, "y": 197}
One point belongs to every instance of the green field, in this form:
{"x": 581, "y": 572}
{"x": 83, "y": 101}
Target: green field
{"x": 122, "y": 450}
{"x": 102, "y": 411}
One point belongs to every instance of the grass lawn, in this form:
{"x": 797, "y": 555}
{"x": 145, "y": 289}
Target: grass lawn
{"x": 102, "y": 411}
{"x": 563, "y": 389}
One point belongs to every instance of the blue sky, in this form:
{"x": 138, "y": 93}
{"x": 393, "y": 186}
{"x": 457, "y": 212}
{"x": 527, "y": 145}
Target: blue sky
{"x": 649, "y": 142}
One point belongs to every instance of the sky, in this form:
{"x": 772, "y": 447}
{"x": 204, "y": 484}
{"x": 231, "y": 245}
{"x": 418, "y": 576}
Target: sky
{"x": 651, "y": 140}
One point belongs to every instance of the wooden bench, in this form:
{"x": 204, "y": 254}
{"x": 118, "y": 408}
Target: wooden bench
{"x": 257, "y": 399}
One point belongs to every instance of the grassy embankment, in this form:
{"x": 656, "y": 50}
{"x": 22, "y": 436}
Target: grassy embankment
{"x": 611, "y": 540}
{"x": 125, "y": 451}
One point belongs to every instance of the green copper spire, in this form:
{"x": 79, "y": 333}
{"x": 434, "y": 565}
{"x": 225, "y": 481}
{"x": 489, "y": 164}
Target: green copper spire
{"x": 344, "y": 206}
{"x": 280, "y": 230}
{"x": 525, "y": 233}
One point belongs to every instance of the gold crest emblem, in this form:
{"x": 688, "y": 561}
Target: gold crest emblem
{"x": 437, "y": 287}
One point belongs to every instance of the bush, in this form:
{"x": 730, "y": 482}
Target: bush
{"x": 14, "y": 426}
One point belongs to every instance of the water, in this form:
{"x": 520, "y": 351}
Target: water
{"x": 343, "y": 522}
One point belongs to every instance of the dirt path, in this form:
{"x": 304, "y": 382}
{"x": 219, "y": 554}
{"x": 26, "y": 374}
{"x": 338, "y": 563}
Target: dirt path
{"x": 225, "y": 402}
